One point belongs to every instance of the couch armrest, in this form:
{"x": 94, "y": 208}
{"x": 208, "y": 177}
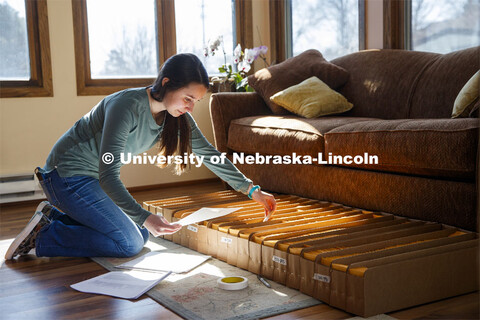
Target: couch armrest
{"x": 228, "y": 106}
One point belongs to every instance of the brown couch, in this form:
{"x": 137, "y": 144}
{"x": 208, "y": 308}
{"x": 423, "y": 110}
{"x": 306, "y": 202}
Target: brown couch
{"x": 428, "y": 162}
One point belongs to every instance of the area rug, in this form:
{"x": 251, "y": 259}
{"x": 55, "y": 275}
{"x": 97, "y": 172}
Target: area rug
{"x": 195, "y": 295}
{"x": 377, "y": 317}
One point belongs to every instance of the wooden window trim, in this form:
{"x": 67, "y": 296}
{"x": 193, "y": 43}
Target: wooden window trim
{"x": 244, "y": 23}
{"x": 166, "y": 31}
{"x": 279, "y": 24}
{"x": 166, "y": 36}
{"x": 394, "y": 24}
{"x": 40, "y": 82}
{"x": 278, "y": 50}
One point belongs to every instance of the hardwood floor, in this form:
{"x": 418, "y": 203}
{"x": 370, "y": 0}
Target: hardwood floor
{"x": 39, "y": 288}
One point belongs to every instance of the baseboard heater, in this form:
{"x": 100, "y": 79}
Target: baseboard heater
{"x": 20, "y": 187}
{"x": 363, "y": 262}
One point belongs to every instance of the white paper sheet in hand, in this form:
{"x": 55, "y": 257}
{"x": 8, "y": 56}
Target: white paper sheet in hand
{"x": 206, "y": 214}
{"x": 164, "y": 261}
{"x": 121, "y": 284}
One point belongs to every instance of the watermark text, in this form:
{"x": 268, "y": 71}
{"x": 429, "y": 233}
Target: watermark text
{"x": 242, "y": 158}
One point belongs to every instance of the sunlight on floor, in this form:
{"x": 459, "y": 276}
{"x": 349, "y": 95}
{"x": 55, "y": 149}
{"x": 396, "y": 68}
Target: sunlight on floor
{"x": 4, "y": 244}
{"x": 205, "y": 268}
{"x": 278, "y": 293}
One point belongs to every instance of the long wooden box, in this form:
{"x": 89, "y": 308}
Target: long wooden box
{"x": 364, "y": 262}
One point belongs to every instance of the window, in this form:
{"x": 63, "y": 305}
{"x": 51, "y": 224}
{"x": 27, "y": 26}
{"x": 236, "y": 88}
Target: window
{"x": 116, "y": 43}
{"x": 25, "y": 67}
{"x": 194, "y": 33}
{"x": 330, "y": 26}
{"x": 334, "y": 27}
{"x": 122, "y": 39}
{"x": 123, "y": 43}
{"x": 444, "y": 25}
{"x": 15, "y": 63}
{"x": 432, "y": 25}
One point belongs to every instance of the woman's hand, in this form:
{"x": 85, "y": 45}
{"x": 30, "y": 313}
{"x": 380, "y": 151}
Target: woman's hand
{"x": 266, "y": 200}
{"x": 158, "y": 225}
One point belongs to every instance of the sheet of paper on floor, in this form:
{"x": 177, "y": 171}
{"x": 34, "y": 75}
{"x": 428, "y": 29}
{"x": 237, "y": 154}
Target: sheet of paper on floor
{"x": 121, "y": 284}
{"x": 165, "y": 261}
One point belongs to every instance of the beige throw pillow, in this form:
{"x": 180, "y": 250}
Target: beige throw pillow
{"x": 311, "y": 98}
{"x": 467, "y": 97}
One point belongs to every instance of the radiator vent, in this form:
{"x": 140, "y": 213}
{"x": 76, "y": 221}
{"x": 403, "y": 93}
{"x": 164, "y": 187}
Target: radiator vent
{"x": 20, "y": 187}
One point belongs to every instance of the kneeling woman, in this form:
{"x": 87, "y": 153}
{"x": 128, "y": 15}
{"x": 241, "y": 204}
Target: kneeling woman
{"x": 89, "y": 211}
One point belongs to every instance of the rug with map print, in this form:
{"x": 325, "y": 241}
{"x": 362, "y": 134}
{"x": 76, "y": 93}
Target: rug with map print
{"x": 195, "y": 295}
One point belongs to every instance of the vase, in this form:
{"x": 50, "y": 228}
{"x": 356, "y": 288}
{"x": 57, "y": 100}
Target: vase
{"x": 222, "y": 85}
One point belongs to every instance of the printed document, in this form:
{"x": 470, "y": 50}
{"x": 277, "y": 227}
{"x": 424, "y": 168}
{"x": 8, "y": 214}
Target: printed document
{"x": 121, "y": 284}
{"x": 165, "y": 261}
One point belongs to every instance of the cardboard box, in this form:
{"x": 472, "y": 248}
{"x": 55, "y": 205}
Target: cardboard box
{"x": 364, "y": 262}
{"x": 413, "y": 278}
{"x": 316, "y": 261}
{"x": 277, "y": 248}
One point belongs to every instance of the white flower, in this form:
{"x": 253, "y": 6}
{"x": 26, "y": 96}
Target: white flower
{"x": 244, "y": 66}
{"x": 237, "y": 54}
{"x": 250, "y": 55}
{"x": 215, "y": 44}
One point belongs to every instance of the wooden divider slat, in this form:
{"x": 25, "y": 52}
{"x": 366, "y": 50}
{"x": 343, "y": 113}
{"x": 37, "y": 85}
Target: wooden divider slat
{"x": 345, "y": 228}
{"x": 317, "y": 219}
{"x": 414, "y": 234}
{"x": 272, "y": 240}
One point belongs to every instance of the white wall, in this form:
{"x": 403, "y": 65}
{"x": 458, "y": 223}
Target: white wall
{"x": 30, "y": 126}
{"x": 374, "y": 24}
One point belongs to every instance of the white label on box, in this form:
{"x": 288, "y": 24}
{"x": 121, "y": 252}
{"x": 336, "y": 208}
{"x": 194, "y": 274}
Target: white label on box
{"x": 279, "y": 260}
{"x": 321, "y": 277}
{"x": 192, "y": 228}
{"x": 226, "y": 240}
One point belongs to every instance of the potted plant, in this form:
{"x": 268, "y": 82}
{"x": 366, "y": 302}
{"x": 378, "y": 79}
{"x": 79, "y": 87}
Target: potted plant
{"x": 233, "y": 77}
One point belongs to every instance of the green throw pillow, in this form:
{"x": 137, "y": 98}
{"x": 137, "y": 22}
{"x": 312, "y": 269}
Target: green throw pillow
{"x": 311, "y": 98}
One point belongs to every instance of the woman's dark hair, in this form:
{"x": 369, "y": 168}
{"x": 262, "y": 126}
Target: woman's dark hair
{"x": 181, "y": 69}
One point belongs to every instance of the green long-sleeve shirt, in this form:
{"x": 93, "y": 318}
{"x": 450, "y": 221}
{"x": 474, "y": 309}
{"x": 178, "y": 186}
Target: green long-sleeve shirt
{"x": 122, "y": 123}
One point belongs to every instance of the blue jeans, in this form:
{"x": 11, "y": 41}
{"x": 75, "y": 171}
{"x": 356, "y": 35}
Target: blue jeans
{"x": 87, "y": 223}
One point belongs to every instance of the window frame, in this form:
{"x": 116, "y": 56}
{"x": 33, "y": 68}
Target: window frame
{"x": 280, "y": 29}
{"x": 396, "y": 27}
{"x": 166, "y": 35}
{"x": 397, "y": 20}
{"x": 40, "y": 82}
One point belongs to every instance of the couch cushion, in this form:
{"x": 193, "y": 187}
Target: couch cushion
{"x": 381, "y": 81}
{"x": 440, "y": 83}
{"x": 292, "y": 71}
{"x": 428, "y": 147}
{"x": 475, "y": 109}
{"x": 283, "y": 135}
